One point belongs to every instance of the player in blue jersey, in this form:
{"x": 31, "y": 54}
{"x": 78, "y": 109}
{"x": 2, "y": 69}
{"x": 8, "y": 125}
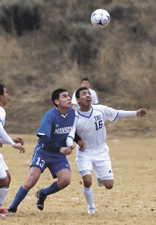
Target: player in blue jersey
{"x": 50, "y": 151}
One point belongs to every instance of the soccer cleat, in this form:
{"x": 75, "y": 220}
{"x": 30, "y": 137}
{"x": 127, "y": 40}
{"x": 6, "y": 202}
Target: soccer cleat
{"x": 11, "y": 210}
{"x": 99, "y": 181}
{"x": 4, "y": 212}
{"x": 41, "y": 198}
{"x": 91, "y": 210}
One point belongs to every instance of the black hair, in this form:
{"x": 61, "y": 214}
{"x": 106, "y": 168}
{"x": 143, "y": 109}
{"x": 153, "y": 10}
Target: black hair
{"x": 55, "y": 95}
{"x": 84, "y": 79}
{"x": 2, "y": 86}
{"x": 77, "y": 94}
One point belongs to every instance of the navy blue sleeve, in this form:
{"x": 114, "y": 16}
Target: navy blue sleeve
{"x": 77, "y": 138}
{"x": 49, "y": 143}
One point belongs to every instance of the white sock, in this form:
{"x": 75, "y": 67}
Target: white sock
{"x": 3, "y": 193}
{"x": 88, "y": 194}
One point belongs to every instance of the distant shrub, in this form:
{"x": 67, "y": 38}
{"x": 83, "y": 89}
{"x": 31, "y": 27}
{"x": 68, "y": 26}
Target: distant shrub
{"x": 83, "y": 53}
{"x": 139, "y": 30}
{"x": 80, "y": 48}
{"x": 20, "y": 15}
{"x": 117, "y": 11}
{"x": 120, "y": 11}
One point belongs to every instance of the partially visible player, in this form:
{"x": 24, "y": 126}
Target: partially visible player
{"x": 84, "y": 83}
{"x": 50, "y": 151}
{"x": 89, "y": 126}
{"x": 5, "y": 176}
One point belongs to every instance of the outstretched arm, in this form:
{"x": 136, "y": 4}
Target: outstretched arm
{"x": 141, "y": 112}
{"x": 124, "y": 113}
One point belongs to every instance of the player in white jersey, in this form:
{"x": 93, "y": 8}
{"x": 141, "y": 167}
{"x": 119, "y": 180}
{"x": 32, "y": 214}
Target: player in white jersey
{"x": 5, "y": 139}
{"x": 89, "y": 126}
{"x": 84, "y": 83}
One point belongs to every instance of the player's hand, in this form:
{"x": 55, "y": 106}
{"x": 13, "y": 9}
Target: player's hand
{"x": 20, "y": 147}
{"x": 72, "y": 147}
{"x": 67, "y": 150}
{"x": 1, "y": 144}
{"x": 18, "y": 140}
{"x": 141, "y": 112}
{"x": 82, "y": 145}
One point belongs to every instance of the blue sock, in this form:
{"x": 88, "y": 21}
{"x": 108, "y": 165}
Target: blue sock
{"x": 51, "y": 189}
{"x": 19, "y": 197}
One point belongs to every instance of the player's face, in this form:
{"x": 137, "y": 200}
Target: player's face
{"x": 64, "y": 100}
{"x": 4, "y": 98}
{"x": 85, "y": 83}
{"x": 85, "y": 98}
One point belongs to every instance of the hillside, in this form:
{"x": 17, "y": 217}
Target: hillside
{"x": 50, "y": 44}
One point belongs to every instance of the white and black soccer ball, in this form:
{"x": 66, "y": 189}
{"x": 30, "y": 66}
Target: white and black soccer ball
{"x": 100, "y": 18}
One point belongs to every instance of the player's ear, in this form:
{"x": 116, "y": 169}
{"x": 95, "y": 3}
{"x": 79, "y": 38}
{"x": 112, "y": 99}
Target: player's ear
{"x": 56, "y": 101}
{"x": 78, "y": 100}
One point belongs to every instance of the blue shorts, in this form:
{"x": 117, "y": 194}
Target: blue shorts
{"x": 42, "y": 162}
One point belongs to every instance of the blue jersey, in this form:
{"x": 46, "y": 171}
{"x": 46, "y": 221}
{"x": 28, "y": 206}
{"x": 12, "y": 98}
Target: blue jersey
{"x": 53, "y": 131}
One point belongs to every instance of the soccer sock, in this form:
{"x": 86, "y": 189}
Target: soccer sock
{"x": 51, "y": 189}
{"x": 88, "y": 194}
{"x": 19, "y": 197}
{"x": 3, "y": 193}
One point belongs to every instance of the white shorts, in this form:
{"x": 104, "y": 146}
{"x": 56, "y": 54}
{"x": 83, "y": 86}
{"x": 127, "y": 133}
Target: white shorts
{"x": 101, "y": 168}
{"x": 3, "y": 168}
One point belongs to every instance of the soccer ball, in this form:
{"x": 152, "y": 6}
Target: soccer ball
{"x": 100, "y": 18}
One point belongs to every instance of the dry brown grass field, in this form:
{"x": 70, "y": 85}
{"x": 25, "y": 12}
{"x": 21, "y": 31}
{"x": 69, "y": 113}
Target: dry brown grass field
{"x": 132, "y": 201}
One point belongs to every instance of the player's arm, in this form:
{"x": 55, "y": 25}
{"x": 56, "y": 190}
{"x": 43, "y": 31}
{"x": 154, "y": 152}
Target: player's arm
{"x": 49, "y": 143}
{"x": 55, "y": 147}
{"x": 20, "y": 147}
{"x": 18, "y": 140}
{"x": 5, "y": 139}
{"x": 139, "y": 113}
{"x": 69, "y": 142}
{"x": 124, "y": 113}
{"x": 72, "y": 136}
{"x": 111, "y": 114}
{"x": 77, "y": 138}
{"x": 67, "y": 150}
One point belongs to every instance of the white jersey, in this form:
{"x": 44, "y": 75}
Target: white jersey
{"x": 2, "y": 115}
{"x": 4, "y": 138}
{"x": 95, "y": 100}
{"x": 90, "y": 127}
